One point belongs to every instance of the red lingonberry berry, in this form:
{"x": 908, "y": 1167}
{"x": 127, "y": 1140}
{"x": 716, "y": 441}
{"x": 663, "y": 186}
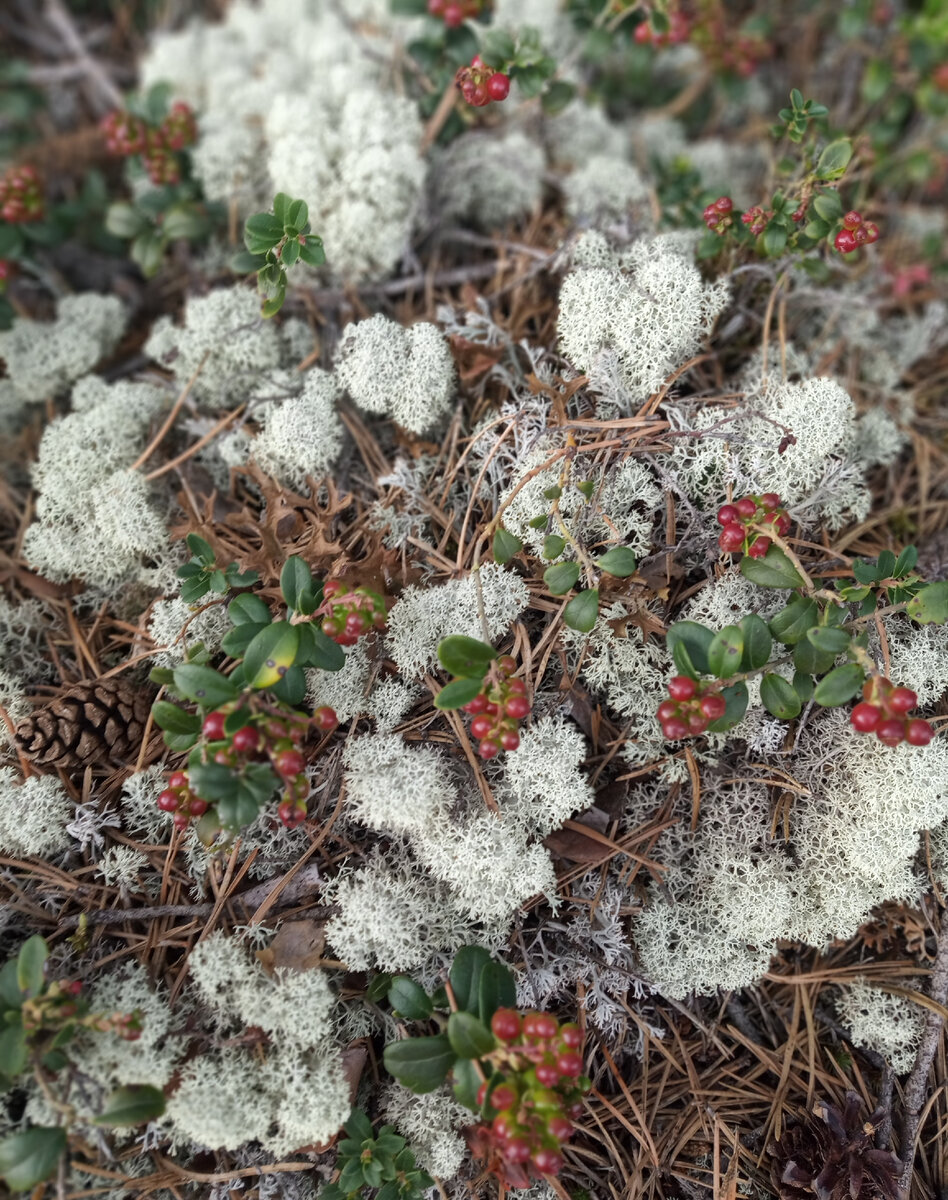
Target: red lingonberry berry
{"x": 769, "y": 501}
{"x": 547, "y": 1162}
{"x": 224, "y": 758}
{"x": 510, "y": 740}
{"x": 505, "y": 1024}
{"x": 759, "y": 547}
{"x": 180, "y": 820}
{"x": 731, "y": 538}
{"x": 865, "y": 717}
{"x": 503, "y": 1097}
{"x": 479, "y": 95}
{"x": 517, "y": 707}
{"x": 213, "y": 727}
{"x": 491, "y": 709}
{"x": 482, "y": 1094}
{"x": 902, "y": 700}
{"x": 697, "y": 722}
{"x": 477, "y": 705}
{"x": 453, "y": 15}
{"x": 560, "y": 1128}
{"x": 168, "y": 801}
{"x": 681, "y": 687}
{"x": 517, "y": 1150}
{"x": 246, "y": 740}
{"x": 517, "y": 687}
{"x": 198, "y": 807}
{"x": 783, "y": 525}
{"x": 74, "y": 987}
{"x": 507, "y": 664}
{"x": 728, "y": 514}
{"x": 288, "y": 763}
{"x": 572, "y": 1035}
{"x": 845, "y": 241}
{"x": 746, "y": 506}
{"x": 852, "y": 220}
{"x": 356, "y": 623}
{"x": 667, "y": 710}
{"x": 918, "y": 732}
{"x": 891, "y": 731}
{"x": 675, "y": 729}
{"x": 481, "y": 726}
{"x": 504, "y": 1124}
{"x": 498, "y": 86}
{"x": 713, "y": 706}
{"x": 325, "y": 719}
{"x": 872, "y": 232}
{"x": 547, "y": 1074}
{"x": 540, "y": 1025}
{"x": 177, "y": 779}
{"x": 488, "y": 748}
{"x": 724, "y": 204}
{"x": 570, "y": 1065}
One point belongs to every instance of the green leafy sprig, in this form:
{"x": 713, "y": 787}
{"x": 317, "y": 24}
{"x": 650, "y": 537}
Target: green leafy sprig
{"x": 276, "y": 241}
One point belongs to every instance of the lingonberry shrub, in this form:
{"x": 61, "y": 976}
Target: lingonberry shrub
{"x": 520, "y": 1073}
{"x": 245, "y": 741}
{"x": 155, "y": 137}
{"x": 816, "y": 627}
{"x": 367, "y": 1159}
{"x": 275, "y": 241}
{"x": 480, "y": 84}
{"x": 485, "y": 688}
{"x": 39, "y": 1018}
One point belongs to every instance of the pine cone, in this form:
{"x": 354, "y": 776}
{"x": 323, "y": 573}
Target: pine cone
{"x": 99, "y": 721}
{"x": 834, "y": 1158}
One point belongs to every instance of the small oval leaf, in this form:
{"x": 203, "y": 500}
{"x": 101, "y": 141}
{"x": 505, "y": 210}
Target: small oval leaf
{"x": 271, "y": 654}
{"x": 779, "y": 697}
{"x": 561, "y": 578}
{"x": 469, "y": 1038}
{"x": 581, "y": 612}
{"x": 132, "y": 1105}
{"x": 840, "y": 685}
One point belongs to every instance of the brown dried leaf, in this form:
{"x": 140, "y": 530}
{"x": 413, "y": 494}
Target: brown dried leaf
{"x": 297, "y": 947}
{"x": 572, "y": 844}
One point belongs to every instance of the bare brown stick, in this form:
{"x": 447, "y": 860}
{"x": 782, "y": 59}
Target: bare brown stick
{"x": 916, "y": 1086}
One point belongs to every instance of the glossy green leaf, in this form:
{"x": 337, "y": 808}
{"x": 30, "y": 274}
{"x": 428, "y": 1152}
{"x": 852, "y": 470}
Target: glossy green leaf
{"x": 132, "y": 1105}
{"x": 829, "y": 205}
{"x": 561, "y": 577}
{"x": 790, "y": 625}
{"x": 13, "y": 1053}
{"x": 757, "y": 642}
{"x": 291, "y": 689}
{"x": 376, "y": 992}
{"x": 774, "y": 239}
{"x": 457, "y": 693}
{"x": 296, "y": 585}
{"x": 271, "y": 654}
{"x": 929, "y": 606}
{"x": 810, "y": 660}
{"x": 557, "y": 96}
{"x": 262, "y": 231}
{"x": 581, "y": 612}
{"x": 10, "y": 995}
{"x": 318, "y": 650}
{"x": 553, "y": 546}
{"x": 839, "y": 686}
{"x": 726, "y": 651}
{"x": 30, "y": 965}
{"x": 174, "y": 719}
{"x": 465, "y": 1083}
{"x": 125, "y": 220}
{"x": 735, "y": 698}
{"x": 468, "y": 1036}
{"x": 689, "y": 643}
{"x": 866, "y": 572}
{"x": 905, "y": 562}
{"x": 829, "y": 640}
{"x": 619, "y": 561}
{"x": 774, "y": 570}
{"x": 147, "y": 251}
{"x": 465, "y": 976}
{"x": 505, "y": 546}
{"x": 803, "y": 686}
{"x": 203, "y": 685}
{"x": 408, "y": 999}
{"x": 28, "y": 1158}
{"x": 291, "y": 252}
{"x": 465, "y": 656}
{"x": 297, "y": 214}
{"x": 235, "y": 642}
{"x": 200, "y": 549}
{"x": 420, "y": 1064}
{"x": 311, "y": 251}
{"x": 835, "y": 159}
{"x": 779, "y": 697}
{"x": 495, "y": 989}
{"x": 248, "y": 609}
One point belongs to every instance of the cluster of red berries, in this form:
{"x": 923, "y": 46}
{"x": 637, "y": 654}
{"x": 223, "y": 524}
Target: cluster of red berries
{"x": 348, "y": 614}
{"x": 126, "y": 134}
{"x": 717, "y": 216}
{"x": 455, "y": 12}
{"x": 535, "y": 1095}
{"x": 21, "y": 196}
{"x": 276, "y": 739}
{"x": 756, "y": 219}
{"x": 496, "y": 710}
{"x": 679, "y": 30}
{"x": 855, "y": 233}
{"x": 690, "y": 710}
{"x": 738, "y": 519}
{"x": 480, "y": 84}
{"x": 883, "y": 711}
